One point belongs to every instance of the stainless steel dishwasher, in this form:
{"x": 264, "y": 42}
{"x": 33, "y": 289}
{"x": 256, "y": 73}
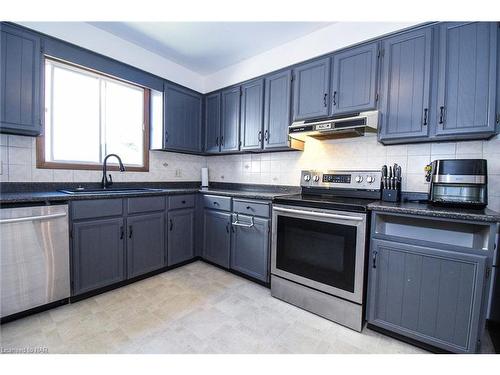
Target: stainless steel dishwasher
{"x": 34, "y": 257}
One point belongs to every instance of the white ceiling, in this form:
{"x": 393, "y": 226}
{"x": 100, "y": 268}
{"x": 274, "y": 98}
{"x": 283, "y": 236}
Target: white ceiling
{"x": 207, "y": 47}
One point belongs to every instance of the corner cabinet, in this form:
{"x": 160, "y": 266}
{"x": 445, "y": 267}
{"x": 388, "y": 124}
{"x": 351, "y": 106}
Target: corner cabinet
{"x": 405, "y": 85}
{"x": 277, "y": 110}
{"x": 467, "y": 78}
{"x": 354, "y": 79}
{"x": 20, "y": 82}
{"x": 212, "y": 123}
{"x": 180, "y": 235}
{"x": 216, "y": 237}
{"x": 252, "y": 115}
{"x": 311, "y": 90}
{"x": 183, "y": 130}
{"x": 230, "y": 120}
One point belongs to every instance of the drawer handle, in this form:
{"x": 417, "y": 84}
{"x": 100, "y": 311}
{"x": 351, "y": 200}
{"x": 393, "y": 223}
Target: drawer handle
{"x": 183, "y": 202}
{"x": 216, "y": 203}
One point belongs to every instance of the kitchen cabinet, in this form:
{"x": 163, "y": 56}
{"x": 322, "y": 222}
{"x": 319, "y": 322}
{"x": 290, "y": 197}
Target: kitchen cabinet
{"x": 180, "y": 235}
{"x": 427, "y": 294}
{"x": 216, "y": 236}
{"x": 250, "y": 246}
{"x": 20, "y": 81}
{"x": 311, "y": 90}
{"x": 212, "y": 123}
{"x": 182, "y": 110}
{"x": 405, "y": 85}
{"x": 230, "y": 112}
{"x": 252, "y": 115}
{"x": 98, "y": 254}
{"x": 277, "y": 111}
{"x": 467, "y": 78}
{"x": 145, "y": 243}
{"x": 354, "y": 79}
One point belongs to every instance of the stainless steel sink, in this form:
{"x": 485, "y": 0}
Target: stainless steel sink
{"x": 108, "y": 191}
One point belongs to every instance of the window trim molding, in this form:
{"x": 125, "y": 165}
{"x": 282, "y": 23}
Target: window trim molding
{"x": 41, "y": 162}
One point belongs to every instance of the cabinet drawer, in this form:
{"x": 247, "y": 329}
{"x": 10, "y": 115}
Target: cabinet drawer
{"x": 217, "y": 202}
{"x": 251, "y": 208}
{"x": 96, "y": 208}
{"x": 180, "y": 201}
{"x": 145, "y": 204}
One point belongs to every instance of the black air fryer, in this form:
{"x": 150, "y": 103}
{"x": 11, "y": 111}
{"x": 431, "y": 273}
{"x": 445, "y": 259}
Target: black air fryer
{"x": 459, "y": 182}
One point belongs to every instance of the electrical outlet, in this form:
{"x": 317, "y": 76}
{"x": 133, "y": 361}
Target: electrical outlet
{"x": 178, "y": 173}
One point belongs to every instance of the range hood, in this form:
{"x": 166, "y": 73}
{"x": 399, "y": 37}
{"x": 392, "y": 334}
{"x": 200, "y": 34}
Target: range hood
{"x": 345, "y": 126}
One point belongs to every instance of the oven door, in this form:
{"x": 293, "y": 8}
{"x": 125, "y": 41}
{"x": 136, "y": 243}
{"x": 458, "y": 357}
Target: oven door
{"x": 322, "y": 249}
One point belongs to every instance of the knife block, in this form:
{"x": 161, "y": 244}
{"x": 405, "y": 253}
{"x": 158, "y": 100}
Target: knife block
{"x": 391, "y": 195}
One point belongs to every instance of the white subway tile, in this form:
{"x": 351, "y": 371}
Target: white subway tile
{"x": 419, "y": 149}
{"x": 416, "y": 183}
{"x": 443, "y": 148}
{"x": 416, "y": 164}
{"x": 63, "y": 175}
{"x": 19, "y": 155}
{"x": 19, "y": 173}
{"x": 473, "y": 147}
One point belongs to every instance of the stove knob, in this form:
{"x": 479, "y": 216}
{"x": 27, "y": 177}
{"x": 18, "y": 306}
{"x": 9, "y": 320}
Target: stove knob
{"x": 370, "y": 179}
{"x": 307, "y": 177}
{"x": 359, "y": 179}
{"x": 316, "y": 178}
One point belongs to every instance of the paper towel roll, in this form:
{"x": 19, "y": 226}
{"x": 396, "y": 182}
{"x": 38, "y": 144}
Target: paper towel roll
{"x": 204, "y": 177}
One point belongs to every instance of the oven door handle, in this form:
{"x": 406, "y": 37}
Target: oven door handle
{"x": 319, "y": 214}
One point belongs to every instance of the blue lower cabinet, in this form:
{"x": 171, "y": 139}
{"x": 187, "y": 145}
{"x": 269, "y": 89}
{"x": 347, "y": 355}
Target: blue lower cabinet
{"x": 180, "y": 235}
{"x": 216, "y": 237}
{"x": 98, "y": 254}
{"x": 250, "y": 246}
{"x": 145, "y": 243}
{"x": 430, "y": 295}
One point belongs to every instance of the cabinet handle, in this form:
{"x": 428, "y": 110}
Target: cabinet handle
{"x": 227, "y": 227}
{"x": 183, "y": 202}
{"x": 335, "y": 98}
{"x": 166, "y": 136}
{"x": 130, "y": 231}
{"x": 217, "y": 141}
{"x": 325, "y": 97}
{"x": 374, "y": 260}
{"x": 222, "y": 141}
{"x": 171, "y": 224}
{"x": 425, "y": 116}
{"x": 266, "y": 135}
{"x": 260, "y": 136}
{"x": 441, "y": 114}
{"x": 121, "y": 233}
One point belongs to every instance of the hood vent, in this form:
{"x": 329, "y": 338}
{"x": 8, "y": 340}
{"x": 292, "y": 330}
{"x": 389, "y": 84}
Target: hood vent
{"x": 345, "y": 126}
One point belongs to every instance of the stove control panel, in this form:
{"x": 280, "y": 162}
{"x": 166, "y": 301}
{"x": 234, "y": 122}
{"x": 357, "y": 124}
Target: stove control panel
{"x": 342, "y": 179}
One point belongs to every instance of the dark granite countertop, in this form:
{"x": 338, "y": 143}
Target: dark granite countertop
{"x": 426, "y": 209}
{"x": 248, "y": 194}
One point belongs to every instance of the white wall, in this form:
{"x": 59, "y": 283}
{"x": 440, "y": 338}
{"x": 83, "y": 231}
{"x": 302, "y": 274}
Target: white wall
{"x": 87, "y": 36}
{"x": 320, "y": 42}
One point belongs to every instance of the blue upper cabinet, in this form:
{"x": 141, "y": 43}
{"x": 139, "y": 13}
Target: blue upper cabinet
{"x": 20, "y": 96}
{"x": 182, "y": 119}
{"x": 405, "y": 85}
{"x": 467, "y": 78}
{"x": 212, "y": 122}
{"x": 311, "y": 90}
{"x": 252, "y": 115}
{"x": 277, "y": 111}
{"x": 230, "y": 132}
{"x": 354, "y": 80}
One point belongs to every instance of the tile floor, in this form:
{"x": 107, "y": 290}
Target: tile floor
{"x": 197, "y": 308}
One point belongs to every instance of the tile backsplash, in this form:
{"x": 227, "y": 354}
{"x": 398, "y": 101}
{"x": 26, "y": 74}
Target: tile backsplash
{"x": 18, "y": 163}
{"x": 283, "y": 168}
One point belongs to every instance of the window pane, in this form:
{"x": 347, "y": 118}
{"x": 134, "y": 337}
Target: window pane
{"x": 75, "y": 117}
{"x": 123, "y": 122}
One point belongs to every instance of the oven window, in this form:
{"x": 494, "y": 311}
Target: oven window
{"x": 317, "y": 250}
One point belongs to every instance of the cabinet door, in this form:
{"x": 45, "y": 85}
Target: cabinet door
{"x": 20, "y": 74}
{"x": 182, "y": 119}
{"x": 277, "y": 119}
{"x": 250, "y": 247}
{"x": 216, "y": 237}
{"x": 180, "y": 236}
{"x": 145, "y": 243}
{"x": 467, "y": 78}
{"x": 230, "y": 135}
{"x": 212, "y": 123}
{"x": 430, "y": 295}
{"x": 98, "y": 254}
{"x": 406, "y": 85}
{"x": 311, "y": 90}
{"x": 354, "y": 80}
{"x": 252, "y": 115}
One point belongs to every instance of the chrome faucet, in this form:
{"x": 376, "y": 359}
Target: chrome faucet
{"x": 105, "y": 183}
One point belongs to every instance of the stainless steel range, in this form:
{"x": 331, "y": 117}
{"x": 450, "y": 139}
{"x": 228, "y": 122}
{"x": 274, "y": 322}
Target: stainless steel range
{"x": 319, "y": 243}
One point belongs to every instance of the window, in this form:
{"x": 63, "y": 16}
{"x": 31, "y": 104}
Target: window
{"x": 89, "y": 115}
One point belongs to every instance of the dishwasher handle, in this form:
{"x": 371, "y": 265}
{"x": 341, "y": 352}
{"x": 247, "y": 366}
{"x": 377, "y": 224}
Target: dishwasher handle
{"x": 318, "y": 214}
{"x": 32, "y": 218}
